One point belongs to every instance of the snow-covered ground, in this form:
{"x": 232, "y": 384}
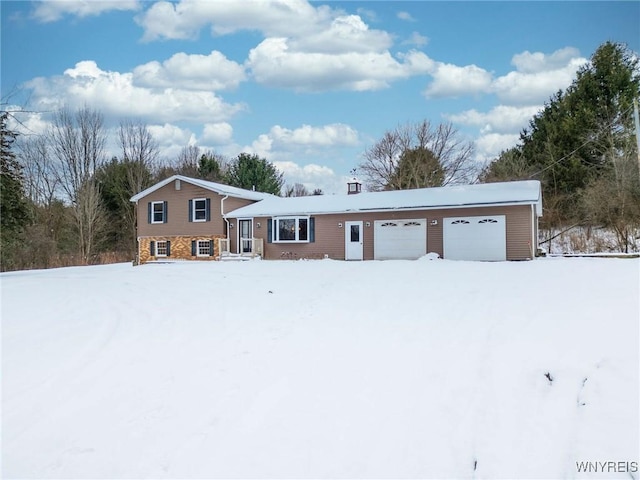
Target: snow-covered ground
{"x": 301, "y": 369}
{"x": 586, "y": 240}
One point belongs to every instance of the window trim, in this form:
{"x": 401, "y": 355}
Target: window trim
{"x": 276, "y": 229}
{"x": 153, "y": 212}
{"x": 157, "y": 248}
{"x": 207, "y": 243}
{"x": 193, "y": 212}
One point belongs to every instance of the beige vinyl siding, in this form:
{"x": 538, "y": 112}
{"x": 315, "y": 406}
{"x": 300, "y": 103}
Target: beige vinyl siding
{"x": 178, "y": 223}
{"x": 518, "y": 228}
{"x": 230, "y": 204}
{"x": 329, "y": 237}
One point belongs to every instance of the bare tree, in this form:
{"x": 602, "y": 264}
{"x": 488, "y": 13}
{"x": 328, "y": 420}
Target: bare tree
{"x": 77, "y": 141}
{"x": 140, "y": 151}
{"x": 41, "y": 181}
{"x": 381, "y": 161}
{"x": 188, "y": 161}
{"x": 417, "y": 146}
{"x": 140, "y": 154}
{"x": 296, "y": 190}
{"x": 613, "y": 199}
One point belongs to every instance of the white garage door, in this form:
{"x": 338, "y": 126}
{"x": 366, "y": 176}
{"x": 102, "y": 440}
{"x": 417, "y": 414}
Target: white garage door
{"x": 475, "y": 238}
{"x": 394, "y": 239}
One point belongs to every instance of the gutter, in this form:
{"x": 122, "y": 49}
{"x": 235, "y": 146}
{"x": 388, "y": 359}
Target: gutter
{"x": 389, "y": 209}
{"x": 222, "y": 213}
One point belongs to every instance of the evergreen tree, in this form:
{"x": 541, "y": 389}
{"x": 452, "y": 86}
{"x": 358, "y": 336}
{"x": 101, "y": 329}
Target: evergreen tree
{"x": 417, "y": 168}
{"x": 14, "y": 209}
{"x": 254, "y": 173}
{"x": 210, "y": 167}
{"x": 510, "y": 165}
{"x": 578, "y": 135}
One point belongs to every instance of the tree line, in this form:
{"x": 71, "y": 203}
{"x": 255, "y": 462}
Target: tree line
{"x": 581, "y": 146}
{"x": 63, "y": 202}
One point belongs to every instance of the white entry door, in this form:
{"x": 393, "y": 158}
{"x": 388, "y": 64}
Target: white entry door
{"x": 353, "y": 241}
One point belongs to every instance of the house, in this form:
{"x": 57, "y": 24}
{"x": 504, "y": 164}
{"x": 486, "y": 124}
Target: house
{"x": 495, "y": 221}
{"x": 184, "y": 218}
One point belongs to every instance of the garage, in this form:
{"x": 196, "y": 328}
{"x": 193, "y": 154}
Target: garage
{"x": 399, "y": 239}
{"x": 475, "y": 238}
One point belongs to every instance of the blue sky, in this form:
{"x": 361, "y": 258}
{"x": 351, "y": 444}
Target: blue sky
{"x": 307, "y": 85}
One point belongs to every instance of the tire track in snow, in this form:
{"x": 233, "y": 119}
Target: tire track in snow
{"x": 28, "y": 408}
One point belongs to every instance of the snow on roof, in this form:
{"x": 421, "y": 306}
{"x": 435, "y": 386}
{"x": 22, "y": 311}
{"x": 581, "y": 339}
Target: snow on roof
{"x": 521, "y": 192}
{"x": 213, "y": 186}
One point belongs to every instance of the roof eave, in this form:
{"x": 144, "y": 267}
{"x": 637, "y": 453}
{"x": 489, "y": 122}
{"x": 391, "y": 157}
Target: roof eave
{"x": 194, "y": 182}
{"x": 386, "y": 209}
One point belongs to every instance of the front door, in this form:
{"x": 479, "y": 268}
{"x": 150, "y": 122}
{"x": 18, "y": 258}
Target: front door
{"x": 353, "y": 241}
{"x": 245, "y": 236}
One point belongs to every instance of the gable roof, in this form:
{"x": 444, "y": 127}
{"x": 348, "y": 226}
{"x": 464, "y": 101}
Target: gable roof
{"x": 218, "y": 188}
{"x": 485, "y": 194}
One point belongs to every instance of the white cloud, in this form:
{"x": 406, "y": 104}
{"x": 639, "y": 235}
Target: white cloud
{"x": 218, "y": 133}
{"x": 454, "y": 81}
{"x": 312, "y": 176}
{"x": 536, "y": 78}
{"x": 273, "y": 63}
{"x": 53, "y": 10}
{"x": 306, "y": 48}
{"x": 306, "y": 138}
{"x": 500, "y": 119}
{"x": 25, "y": 122}
{"x": 406, "y": 16}
{"x": 368, "y": 14}
{"x": 345, "y": 34}
{"x": 193, "y": 72}
{"x": 490, "y": 145}
{"x": 185, "y": 19}
{"x": 527, "y": 62}
{"x": 336, "y": 134}
{"x": 114, "y": 93}
{"x": 522, "y": 88}
{"x": 283, "y": 146}
{"x": 522, "y": 93}
{"x": 169, "y": 134}
{"x": 172, "y": 139}
{"x": 417, "y": 40}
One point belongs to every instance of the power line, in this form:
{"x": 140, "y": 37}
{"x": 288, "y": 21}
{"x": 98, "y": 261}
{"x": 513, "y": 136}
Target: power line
{"x": 578, "y": 148}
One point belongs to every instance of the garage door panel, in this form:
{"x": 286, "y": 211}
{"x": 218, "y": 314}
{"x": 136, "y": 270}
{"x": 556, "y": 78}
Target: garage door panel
{"x": 475, "y": 238}
{"x": 399, "y": 239}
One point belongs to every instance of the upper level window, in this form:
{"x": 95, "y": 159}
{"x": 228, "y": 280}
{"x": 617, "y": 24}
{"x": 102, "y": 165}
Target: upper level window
{"x": 291, "y": 229}
{"x": 199, "y": 210}
{"x": 158, "y": 212}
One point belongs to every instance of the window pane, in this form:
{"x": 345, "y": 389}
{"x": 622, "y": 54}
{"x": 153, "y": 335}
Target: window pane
{"x": 355, "y": 233}
{"x": 158, "y": 212}
{"x": 287, "y": 229}
{"x": 203, "y": 248}
{"x": 161, "y": 248}
{"x": 200, "y": 210}
{"x": 303, "y": 229}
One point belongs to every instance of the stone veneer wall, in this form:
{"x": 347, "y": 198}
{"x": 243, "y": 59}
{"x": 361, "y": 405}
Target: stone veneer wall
{"x": 180, "y": 247}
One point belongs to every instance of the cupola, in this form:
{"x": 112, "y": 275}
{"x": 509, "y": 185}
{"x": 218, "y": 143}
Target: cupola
{"x": 353, "y": 187}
